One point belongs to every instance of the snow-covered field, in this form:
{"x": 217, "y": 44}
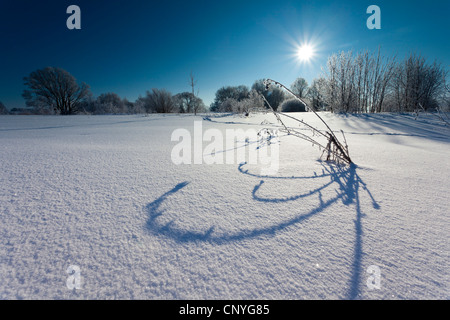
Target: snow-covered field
{"x": 102, "y": 193}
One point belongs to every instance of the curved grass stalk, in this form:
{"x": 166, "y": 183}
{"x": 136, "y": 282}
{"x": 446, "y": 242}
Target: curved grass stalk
{"x": 334, "y": 146}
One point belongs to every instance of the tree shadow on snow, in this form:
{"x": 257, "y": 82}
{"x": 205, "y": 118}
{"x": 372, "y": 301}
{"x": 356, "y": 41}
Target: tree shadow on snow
{"x": 403, "y": 124}
{"x": 348, "y": 185}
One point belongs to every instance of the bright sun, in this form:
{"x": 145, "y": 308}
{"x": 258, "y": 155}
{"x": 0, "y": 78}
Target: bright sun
{"x": 305, "y": 52}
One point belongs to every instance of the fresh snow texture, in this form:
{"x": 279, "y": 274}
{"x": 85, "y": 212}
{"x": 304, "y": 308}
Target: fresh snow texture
{"x": 101, "y": 193}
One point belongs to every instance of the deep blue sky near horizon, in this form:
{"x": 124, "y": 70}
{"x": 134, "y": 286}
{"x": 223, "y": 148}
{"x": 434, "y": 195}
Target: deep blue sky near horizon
{"x": 129, "y": 47}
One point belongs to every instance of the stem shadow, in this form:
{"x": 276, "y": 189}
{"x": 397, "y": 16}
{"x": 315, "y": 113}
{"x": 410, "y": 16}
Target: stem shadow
{"x": 348, "y": 183}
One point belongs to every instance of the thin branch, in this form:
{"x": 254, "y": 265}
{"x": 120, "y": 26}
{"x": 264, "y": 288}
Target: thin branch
{"x": 334, "y": 146}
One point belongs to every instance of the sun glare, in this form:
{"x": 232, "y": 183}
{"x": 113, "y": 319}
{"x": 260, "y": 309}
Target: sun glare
{"x": 305, "y": 52}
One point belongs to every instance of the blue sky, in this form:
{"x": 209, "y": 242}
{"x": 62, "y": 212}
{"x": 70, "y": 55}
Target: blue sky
{"x": 129, "y": 47}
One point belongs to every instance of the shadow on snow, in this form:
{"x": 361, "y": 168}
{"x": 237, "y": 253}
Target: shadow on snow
{"x": 348, "y": 188}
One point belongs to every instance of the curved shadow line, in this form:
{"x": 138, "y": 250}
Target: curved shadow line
{"x": 293, "y": 198}
{"x": 171, "y": 231}
{"x": 241, "y": 170}
{"x": 179, "y": 235}
{"x": 349, "y": 184}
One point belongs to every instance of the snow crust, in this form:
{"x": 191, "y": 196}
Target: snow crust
{"x": 101, "y": 193}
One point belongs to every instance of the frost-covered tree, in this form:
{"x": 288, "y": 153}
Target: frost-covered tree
{"x": 417, "y": 84}
{"x": 157, "y": 100}
{"x": 55, "y": 89}
{"x": 139, "y": 106}
{"x": 316, "y": 94}
{"x": 187, "y": 102}
{"x": 229, "y": 105}
{"x": 254, "y": 101}
{"x": 130, "y": 107}
{"x": 109, "y": 103}
{"x": 357, "y": 82}
{"x": 275, "y": 96}
{"x": 300, "y": 87}
{"x": 237, "y": 93}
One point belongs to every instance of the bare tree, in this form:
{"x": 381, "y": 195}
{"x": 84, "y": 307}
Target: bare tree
{"x": 253, "y": 102}
{"x": 159, "y": 101}
{"x": 358, "y": 83}
{"x": 192, "y": 84}
{"x": 381, "y": 76}
{"x": 109, "y": 103}
{"x": 228, "y": 105}
{"x": 187, "y": 102}
{"x": 418, "y": 84}
{"x": 237, "y": 93}
{"x": 274, "y": 95}
{"x": 300, "y": 87}
{"x": 54, "y": 88}
{"x": 316, "y": 94}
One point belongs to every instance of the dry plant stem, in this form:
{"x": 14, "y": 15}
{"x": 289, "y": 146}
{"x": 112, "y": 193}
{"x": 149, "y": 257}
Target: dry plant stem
{"x": 330, "y": 146}
{"x": 277, "y": 114}
{"x": 301, "y": 100}
{"x": 333, "y": 147}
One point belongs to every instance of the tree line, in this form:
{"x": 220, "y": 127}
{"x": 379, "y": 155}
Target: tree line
{"x": 368, "y": 82}
{"x": 53, "y": 90}
{"x": 244, "y": 99}
{"x": 365, "y": 82}
{"x": 362, "y": 82}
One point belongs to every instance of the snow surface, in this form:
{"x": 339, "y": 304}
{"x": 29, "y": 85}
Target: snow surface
{"x": 101, "y": 193}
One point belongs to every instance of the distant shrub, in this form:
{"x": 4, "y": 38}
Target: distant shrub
{"x": 109, "y": 103}
{"x": 293, "y": 105}
{"x": 157, "y": 101}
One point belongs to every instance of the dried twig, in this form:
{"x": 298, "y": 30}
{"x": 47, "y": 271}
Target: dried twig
{"x": 336, "y": 151}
